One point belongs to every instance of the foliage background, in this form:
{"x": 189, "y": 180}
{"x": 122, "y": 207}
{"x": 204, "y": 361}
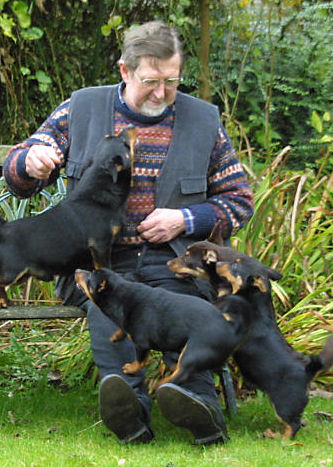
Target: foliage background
{"x": 269, "y": 71}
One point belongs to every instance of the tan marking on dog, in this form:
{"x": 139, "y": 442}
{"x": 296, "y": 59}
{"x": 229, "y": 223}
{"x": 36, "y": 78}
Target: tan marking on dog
{"x": 169, "y": 378}
{"x": 178, "y": 266}
{"x": 132, "y": 136}
{"x": 228, "y": 317}
{"x": 101, "y": 287}
{"x": 222, "y": 292}
{"x": 288, "y": 431}
{"x": 93, "y": 252}
{"x": 133, "y": 367}
{"x": 118, "y": 335}
{"x": 80, "y": 278}
{"x": 235, "y": 281}
{"x": 115, "y": 230}
{"x": 260, "y": 283}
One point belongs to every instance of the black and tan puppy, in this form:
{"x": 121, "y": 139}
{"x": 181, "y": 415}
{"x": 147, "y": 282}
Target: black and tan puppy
{"x": 57, "y": 241}
{"x": 265, "y": 358}
{"x": 161, "y": 320}
{"x": 200, "y": 260}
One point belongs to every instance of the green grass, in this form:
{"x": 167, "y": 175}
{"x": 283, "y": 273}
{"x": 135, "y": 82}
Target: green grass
{"x": 48, "y": 427}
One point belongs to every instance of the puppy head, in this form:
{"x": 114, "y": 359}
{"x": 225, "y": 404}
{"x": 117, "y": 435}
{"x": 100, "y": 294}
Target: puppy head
{"x": 190, "y": 264}
{"x": 245, "y": 273}
{"x": 99, "y": 285}
{"x": 116, "y": 153}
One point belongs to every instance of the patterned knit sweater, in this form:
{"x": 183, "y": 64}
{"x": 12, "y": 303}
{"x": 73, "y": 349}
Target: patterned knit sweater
{"x": 229, "y": 197}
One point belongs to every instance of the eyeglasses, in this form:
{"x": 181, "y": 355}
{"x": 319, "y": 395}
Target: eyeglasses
{"x": 153, "y": 83}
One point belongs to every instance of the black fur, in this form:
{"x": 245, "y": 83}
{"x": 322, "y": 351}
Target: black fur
{"x": 57, "y": 241}
{"x": 161, "y": 320}
{"x": 265, "y": 358}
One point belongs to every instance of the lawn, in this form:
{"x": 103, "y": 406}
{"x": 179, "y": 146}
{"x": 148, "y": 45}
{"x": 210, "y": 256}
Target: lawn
{"x": 46, "y": 426}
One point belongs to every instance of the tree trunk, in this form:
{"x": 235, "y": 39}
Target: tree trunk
{"x": 204, "y": 90}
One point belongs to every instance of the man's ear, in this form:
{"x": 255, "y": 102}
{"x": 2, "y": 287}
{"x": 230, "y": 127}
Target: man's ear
{"x": 124, "y": 71}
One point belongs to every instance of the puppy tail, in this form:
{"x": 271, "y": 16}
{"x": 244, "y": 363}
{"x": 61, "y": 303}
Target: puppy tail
{"x": 323, "y": 361}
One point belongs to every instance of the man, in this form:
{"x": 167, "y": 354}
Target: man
{"x": 186, "y": 177}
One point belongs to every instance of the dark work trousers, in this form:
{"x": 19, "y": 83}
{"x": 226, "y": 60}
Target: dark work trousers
{"x": 148, "y": 262}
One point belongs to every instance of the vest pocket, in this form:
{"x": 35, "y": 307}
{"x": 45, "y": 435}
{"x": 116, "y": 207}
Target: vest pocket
{"x": 193, "y": 185}
{"x": 193, "y": 190}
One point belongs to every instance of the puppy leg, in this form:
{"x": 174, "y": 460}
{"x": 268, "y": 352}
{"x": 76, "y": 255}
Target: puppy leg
{"x": 118, "y": 335}
{"x": 289, "y": 404}
{"x": 137, "y": 365}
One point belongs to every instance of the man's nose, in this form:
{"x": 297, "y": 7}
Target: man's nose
{"x": 159, "y": 92}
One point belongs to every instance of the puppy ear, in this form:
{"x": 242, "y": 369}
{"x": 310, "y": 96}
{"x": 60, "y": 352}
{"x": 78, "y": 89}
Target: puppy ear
{"x": 273, "y": 274}
{"x": 209, "y": 256}
{"x": 216, "y": 234}
{"x": 261, "y": 282}
{"x": 98, "y": 261}
{"x": 224, "y": 271}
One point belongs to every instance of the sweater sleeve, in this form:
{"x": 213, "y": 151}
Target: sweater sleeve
{"x": 229, "y": 199}
{"x": 53, "y": 132}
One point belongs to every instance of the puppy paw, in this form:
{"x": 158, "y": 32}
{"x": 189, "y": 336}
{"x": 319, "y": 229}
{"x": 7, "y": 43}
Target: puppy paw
{"x": 131, "y": 368}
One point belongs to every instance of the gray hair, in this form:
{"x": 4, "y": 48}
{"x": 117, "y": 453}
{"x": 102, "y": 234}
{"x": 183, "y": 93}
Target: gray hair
{"x": 154, "y": 39}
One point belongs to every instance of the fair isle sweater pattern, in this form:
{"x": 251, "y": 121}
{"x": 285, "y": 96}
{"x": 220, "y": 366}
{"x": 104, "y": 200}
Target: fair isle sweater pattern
{"x": 229, "y": 197}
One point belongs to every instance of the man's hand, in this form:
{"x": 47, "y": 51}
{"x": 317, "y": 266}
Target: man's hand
{"x": 40, "y": 161}
{"x": 162, "y": 225}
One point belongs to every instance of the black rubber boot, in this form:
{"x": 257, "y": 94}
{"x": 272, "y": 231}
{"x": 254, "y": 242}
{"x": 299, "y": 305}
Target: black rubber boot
{"x": 122, "y": 412}
{"x": 185, "y": 409}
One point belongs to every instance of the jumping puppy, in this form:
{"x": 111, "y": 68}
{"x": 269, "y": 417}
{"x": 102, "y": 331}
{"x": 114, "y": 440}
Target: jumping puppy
{"x": 161, "y": 320}
{"x": 265, "y": 358}
{"x": 57, "y": 241}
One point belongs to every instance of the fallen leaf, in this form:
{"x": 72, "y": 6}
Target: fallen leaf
{"x": 11, "y": 417}
{"x": 326, "y": 415}
{"x": 270, "y": 434}
{"x": 321, "y": 393}
{"x": 52, "y": 429}
{"x": 295, "y": 444}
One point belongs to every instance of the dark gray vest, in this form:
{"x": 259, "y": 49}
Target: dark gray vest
{"x": 183, "y": 179}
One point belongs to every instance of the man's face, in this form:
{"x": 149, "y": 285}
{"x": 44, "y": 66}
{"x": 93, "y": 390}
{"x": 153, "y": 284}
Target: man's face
{"x": 148, "y": 99}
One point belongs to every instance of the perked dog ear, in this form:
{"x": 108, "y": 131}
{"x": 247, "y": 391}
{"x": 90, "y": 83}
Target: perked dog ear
{"x": 216, "y": 234}
{"x": 99, "y": 262}
{"x": 130, "y": 136}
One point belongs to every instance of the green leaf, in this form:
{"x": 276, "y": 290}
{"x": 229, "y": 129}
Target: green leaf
{"x": 42, "y": 77}
{"x": 21, "y": 11}
{"x": 32, "y": 34}
{"x": 6, "y": 24}
{"x": 316, "y": 121}
{"x": 327, "y": 117}
{"x": 106, "y": 30}
{"x": 25, "y": 71}
{"x": 326, "y": 139}
{"x": 115, "y": 21}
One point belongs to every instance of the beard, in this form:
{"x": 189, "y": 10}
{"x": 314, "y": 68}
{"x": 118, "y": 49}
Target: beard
{"x": 153, "y": 111}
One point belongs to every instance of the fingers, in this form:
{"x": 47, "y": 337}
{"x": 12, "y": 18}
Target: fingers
{"x": 41, "y": 161}
{"x": 162, "y": 225}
